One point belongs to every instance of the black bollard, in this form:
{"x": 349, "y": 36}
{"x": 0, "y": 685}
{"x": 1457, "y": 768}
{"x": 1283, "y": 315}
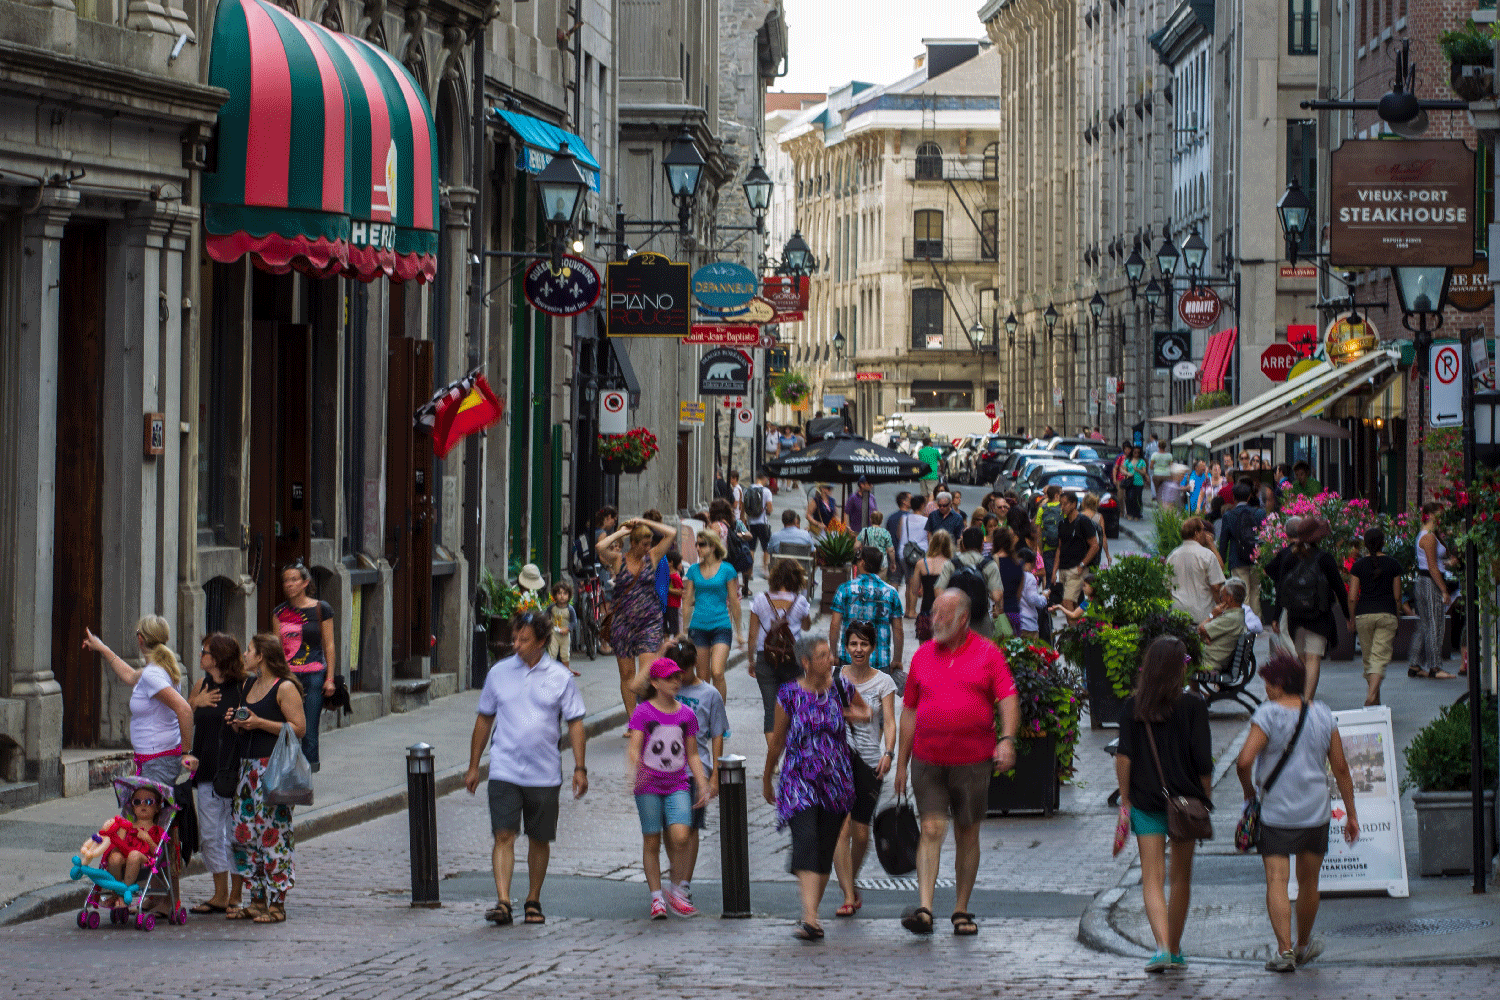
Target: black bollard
{"x": 421, "y": 812}
{"x": 734, "y": 837}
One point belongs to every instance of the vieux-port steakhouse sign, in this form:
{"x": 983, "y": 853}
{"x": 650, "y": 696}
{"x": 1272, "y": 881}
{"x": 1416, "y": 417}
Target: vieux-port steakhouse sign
{"x": 1401, "y": 204}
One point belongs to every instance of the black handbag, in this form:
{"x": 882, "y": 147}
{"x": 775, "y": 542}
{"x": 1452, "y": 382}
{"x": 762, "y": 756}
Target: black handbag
{"x": 227, "y": 776}
{"x": 896, "y": 837}
{"x": 1187, "y": 817}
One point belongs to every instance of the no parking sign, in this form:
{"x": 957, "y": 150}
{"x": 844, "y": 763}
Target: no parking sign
{"x": 1445, "y": 388}
{"x": 612, "y": 412}
{"x": 744, "y": 422}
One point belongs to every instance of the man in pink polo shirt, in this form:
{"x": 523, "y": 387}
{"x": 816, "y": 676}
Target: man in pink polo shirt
{"x": 948, "y": 738}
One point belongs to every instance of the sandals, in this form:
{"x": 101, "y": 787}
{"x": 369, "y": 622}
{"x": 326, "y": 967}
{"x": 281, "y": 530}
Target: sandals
{"x": 208, "y": 908}
{"x": 963, "y": 924}
{"x": 849, "y": 909}
{"x": 1434, "y": 673}
{"x": 807, "y": 932}
{"x": 534, "y": 910}
{"x": 918, "y": 921}
{"x": 499, "y": 914}
{"x": 275, "y": 913}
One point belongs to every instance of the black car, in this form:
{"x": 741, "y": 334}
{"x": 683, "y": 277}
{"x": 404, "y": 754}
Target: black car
{"x": 992, "y": 455}
{"x": 1081, "y": 480}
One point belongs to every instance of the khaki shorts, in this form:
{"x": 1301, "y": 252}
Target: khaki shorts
{"x": 1308, "y": 641}
{"x": 1377, "y": 636}
{"x": 959, "y": 790}
{"x": 1072, "y": 581}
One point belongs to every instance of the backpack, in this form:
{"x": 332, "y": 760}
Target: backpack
{"x": 1052, "y": 516}
{"x": 722, "y": 490}
{"x": 781, "y": 646}
{"x": 970, "y": 579}
{"x": 741, "y": 557}
{"x": 1303, "y": 590}
{"x": 755, "y": 501}
{"x": 1243, "y": 531}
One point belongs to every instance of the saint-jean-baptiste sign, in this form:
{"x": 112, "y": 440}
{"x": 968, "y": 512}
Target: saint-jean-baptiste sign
{"x": 1401, "y": 204}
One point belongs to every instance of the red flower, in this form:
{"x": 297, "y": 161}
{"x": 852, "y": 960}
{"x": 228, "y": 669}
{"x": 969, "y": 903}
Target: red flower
{"x": 270, "y": 838}
{"x": 242, "y": 834}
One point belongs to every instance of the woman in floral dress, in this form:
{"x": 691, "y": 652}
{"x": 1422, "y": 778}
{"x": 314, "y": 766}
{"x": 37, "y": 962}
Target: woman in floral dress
{"x": 817, "y": 781}
{"x": 636, "y": 623}
{"x": 262, "y": 831}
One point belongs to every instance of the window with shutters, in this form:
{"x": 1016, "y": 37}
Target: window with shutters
{"x": 926, "y": 319}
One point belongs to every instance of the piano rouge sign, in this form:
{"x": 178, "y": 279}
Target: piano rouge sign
{"x": 649, "y": 296}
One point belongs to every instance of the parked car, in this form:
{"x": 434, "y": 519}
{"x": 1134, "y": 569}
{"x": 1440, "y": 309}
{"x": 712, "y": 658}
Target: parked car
{"x": 1080, "y": 479}
{"x": 964, "y": 459}
{"x": 1006, "y": 478}
{"x": 996, "y": 449}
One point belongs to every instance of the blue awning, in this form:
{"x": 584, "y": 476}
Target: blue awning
{"x": 541, "y": 139}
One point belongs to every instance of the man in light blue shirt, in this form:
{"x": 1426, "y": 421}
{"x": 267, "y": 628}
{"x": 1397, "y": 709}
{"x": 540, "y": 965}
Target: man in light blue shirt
{"x": 791, "y": 531}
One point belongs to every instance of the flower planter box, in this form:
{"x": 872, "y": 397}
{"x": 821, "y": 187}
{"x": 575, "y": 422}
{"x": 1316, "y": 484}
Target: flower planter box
{"x": 1104, "y": 704}
{"x": 1034, "y": 786}
{"x": 1445, "y": 841}
{"x": 833, "y": 577}
{"x": 1472, "y": 81}
{"x": 634, "y": 470}
{"x": 614, "y": 466}
{"x": 1343, "y": 650}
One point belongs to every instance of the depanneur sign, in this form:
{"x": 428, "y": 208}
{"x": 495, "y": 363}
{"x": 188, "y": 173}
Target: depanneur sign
{"x": 1407, "y": 203}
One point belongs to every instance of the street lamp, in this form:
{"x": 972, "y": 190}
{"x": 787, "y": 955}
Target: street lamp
{"x": 1050, "y": 318}
{"x": 560, "y": 186}
{"x": 1193, "y": 252}
{"x": 1486, "y": 432}
{"x": 757, "y": 187}
{"x": 1011, "y": 323}
{"x": 797, "y": 257}
{"x": 1153, "y": 295}
{"x": 1096, "y": 306}
{"x": 1293, "y": 210}
{"x": 839, "y": 343}
{"x": 1135, "y": 266}
{"x": 1423, "y": 291}
{"x": 1166, "y": 255}
{"x": 684, "y": 168}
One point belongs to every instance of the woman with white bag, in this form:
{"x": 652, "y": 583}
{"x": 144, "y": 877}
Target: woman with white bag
{"x": 263, "y": 845}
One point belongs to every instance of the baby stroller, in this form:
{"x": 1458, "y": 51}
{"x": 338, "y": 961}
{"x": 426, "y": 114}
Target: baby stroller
{"x": 158, "y": 882}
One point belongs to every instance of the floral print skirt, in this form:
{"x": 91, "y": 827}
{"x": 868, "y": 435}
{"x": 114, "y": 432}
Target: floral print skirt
{"x": 262, "y": 842}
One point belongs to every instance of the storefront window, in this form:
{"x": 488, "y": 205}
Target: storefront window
{"x": 942, "y": 395}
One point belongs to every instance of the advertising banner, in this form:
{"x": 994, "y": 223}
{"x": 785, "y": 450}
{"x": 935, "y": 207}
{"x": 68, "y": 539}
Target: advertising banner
{"x": 787, "y": 294}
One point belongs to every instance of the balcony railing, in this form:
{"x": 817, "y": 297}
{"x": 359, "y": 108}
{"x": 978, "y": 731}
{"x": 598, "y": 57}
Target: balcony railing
{"x": 970, "y": 248}
{"x": 956, "y": 168}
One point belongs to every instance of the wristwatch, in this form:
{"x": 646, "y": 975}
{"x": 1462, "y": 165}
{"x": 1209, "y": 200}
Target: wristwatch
{"x": 1004, "y": 738}
{"x": 890, "y": 753}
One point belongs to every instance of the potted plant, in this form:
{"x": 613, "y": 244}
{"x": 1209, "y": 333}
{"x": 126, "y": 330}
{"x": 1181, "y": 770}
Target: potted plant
{"x": 628, "y": 452}
{"x": 834, "y": 552}
{"x": 1470, "y": 50}
{"x": 1107, "y": 656}
{"x": 791, "y": 388}
{"x": 499, "y": 601}
{"x": 1437, "y": 764}
{"x": 1051, "y": 695}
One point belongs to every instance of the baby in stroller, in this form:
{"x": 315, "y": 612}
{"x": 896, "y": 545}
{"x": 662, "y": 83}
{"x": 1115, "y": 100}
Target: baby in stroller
{"x": 134, "y": 848}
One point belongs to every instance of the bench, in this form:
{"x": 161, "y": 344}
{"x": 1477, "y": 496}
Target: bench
{"x": 1229, "y": 684}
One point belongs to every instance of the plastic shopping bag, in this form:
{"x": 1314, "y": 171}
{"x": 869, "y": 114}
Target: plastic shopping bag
{"x": 1281, "y": 644}
{"x": 1122, "y": 831}
{"x": 288, "y": 777}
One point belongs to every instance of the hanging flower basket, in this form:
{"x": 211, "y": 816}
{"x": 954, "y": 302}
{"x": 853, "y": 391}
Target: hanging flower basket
{"x": 629, "y": 451}
{"x": 791, "y": 388}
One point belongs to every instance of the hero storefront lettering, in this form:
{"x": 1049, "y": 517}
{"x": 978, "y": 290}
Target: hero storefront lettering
{"x": 648, "y": 297}
{"x": 380, "y": 235}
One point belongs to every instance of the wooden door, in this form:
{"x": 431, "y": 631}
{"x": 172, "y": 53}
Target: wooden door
{"x": 77, "y": 543}
{"x": 408, "y": 510}
{"x": 684, "y": 477}
{"x": 280, "y": 457}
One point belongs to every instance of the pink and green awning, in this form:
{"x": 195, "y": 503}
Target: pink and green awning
{"x": 326, "y": 161}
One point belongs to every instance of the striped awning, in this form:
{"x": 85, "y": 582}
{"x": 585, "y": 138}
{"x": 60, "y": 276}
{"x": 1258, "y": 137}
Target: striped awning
{"x": 1216, "y": 358}
{"x": 326, "y": 161}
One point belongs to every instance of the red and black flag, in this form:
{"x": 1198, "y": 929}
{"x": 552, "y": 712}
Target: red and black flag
{"x": 459, "y": 409}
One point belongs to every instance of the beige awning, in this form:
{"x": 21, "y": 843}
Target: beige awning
{"x": 1194, "y": 418}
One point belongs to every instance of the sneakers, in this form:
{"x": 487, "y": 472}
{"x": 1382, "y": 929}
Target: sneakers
{"x": 680, "y": 904}
{"x": 1309, "y": 951}
{"x": 1179, "y": 964}
{"x": 1160, "y": 962}
{"x": 1285, "y": 961}
{"x": 658, "y": 909}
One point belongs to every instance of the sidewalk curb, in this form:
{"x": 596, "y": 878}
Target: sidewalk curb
{"x": 1136, "y": 537}
{"x": 68, "y": 895}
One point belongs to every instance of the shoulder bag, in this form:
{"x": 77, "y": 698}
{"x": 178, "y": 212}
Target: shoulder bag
{"x": 227, "y": 776}
{"x": 1187, "y": 816}
{"x": 1247, "y": 830}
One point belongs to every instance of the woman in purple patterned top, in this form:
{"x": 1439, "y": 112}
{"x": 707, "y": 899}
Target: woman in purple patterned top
{"x": 817, "y": 781}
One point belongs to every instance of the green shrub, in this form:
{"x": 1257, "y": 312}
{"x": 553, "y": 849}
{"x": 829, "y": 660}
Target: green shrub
{"x": 1211, "y": 401}
{"x": 1437, "y": 759}
{"x": 1178, "y": 625}
{"x": 1132, "y": 588}
{"x": 1468, "y": 43}
{"x": 1168, "y": 521}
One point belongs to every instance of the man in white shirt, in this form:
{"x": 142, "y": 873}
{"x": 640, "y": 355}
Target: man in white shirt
{"x": 524, "y": 697}
{"x": 1197, "y": 576}
{"x": 736, "y": 494}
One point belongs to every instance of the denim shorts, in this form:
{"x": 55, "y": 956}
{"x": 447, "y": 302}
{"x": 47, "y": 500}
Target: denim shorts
{"x": 658, "y": 812}
{"x": 708, "y": 638}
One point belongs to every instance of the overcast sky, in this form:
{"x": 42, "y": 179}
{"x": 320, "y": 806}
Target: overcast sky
{"x": 835, "y": 41}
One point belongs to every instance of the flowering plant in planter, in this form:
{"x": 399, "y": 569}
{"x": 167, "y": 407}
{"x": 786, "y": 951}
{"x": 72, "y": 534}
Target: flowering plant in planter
{"x": 634, "y": 447}
{"x": 1481, "y": 498}
{"x": 1348, "y": 519}
{"x": 836, "y": 547}
{"x": 790, "y": 388}
{"x": 1051, "y": 693}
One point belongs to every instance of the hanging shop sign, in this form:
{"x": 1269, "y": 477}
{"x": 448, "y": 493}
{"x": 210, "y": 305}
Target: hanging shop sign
{"x": 1469, "y": 288}
{"x": 724, "y": 285}
{"x": 649, "y": 296}
{"x": 724, "y": 371}
{"x": 786, "y": 293}
{"x": 1299, "y": 271}
{"x": 1183, "y": 371}
{"x": 1277, "y": 360}
{"x": 778, "y": 359}
{"x": 1171, "y": 346}
{"x": 1302, "y": 338}
{"x": 692, "y": 412}
{"x": 1401, "y": 204}
{"x": 567, "y": 291}
{"x": 1199, "y": 308}
{"x": 738, "y": 335}
{"x": 869, "y": 376}
{"x": 757, "y": 310}
{"x": 833, "y": 402}
{"x": 1350, "y": 337}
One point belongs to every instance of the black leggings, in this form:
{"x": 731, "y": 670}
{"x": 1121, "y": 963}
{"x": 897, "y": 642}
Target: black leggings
{"x": 1133, "y": 501}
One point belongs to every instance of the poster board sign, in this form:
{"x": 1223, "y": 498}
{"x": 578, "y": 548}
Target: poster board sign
{"x": 1377, "y": 860}
{"x": 691, "y": 412}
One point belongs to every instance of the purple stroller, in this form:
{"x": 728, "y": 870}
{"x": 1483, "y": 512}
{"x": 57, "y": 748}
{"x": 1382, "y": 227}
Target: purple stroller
{"x": 159, "y": 881}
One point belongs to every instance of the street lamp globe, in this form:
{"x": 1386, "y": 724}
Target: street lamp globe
{"x": 561, "y": 185}
{"x": 1050, "y": 317}
{"x": 1135, "y": 265}
{"x": 839, "y": 343}
{"x": 1011, "y": 323}
{"x": 757, "y": 187}
{"x": 797, "y": 256}
{"x": 1421, "y": 289}
{"x": 1166, "y": 256}
{"x": 1292, "y": 210}
{"x": 1193, "y": 252}
{"x": 1153, "y": 293}
{"x": 1096, "y": 305}
{"x": 684, "y": 167}
{"x": 979, "y": 334}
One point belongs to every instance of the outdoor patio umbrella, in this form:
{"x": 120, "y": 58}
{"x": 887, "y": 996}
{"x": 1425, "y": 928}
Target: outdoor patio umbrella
{"x": 843, "y": 459}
